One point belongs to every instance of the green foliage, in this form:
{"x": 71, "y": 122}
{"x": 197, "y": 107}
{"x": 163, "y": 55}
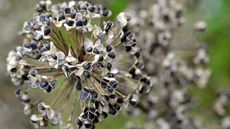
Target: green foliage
{"x": 118, "y": 6}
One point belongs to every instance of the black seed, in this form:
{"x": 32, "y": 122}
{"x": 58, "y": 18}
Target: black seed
{"x": 104, "y": 114}
{"x": 18, "y": 58}
{"x": 127, "y": 34}
{"x": 33, "y": 46}
{"x": 69, "y": 22}
{"x": 133, "y": 103}
{"x": 166, "y": 83}
{"x": 109, "y": 48}
{"x": 103, "y": 85}
{"x": 128, "y": 48}
{"x": 132, "y": 71}
{"x": 85, "y": 21}
{"x": 91, "y": 9}
{"x": 18, "y": 92}
{"x": 137, "y": 54}
{"x": 166, "y": 18}
{"x": 82, "y": 22}
{"x": 79, "y": 123}
{"x": 40, "y": 8}
{"x": 95, "y": 121}
{"x": 79, "y": 85}
{"x": 139, "y": 65}
{"x": 38, "y": 56}
{"x": 113, "y": 96}
{"x": 67, "y": 10}
{"x": 105, "y": 97}
{"x": 112, "y": 55}
{"x": 86, "y": 74}
{"x": 143, "y": 79}
{"x": 179, "y": 121}
{"x": 86, "y": 66}
{"x": 117, "y": 107}
{"x": 113, "y": 111}
{"x": 48, "y": 89}
{"x": 148, "y": 82}
{"x": 179, "y": 13}
{"x": 110, "y": 89}
{"x": 96, "y": 104}
{"x": 111, "y": 75}
{"x": 114, "y": 84}
{"x": 105, "y": 13}
{"x": 72, "y": 15}
{"x": 54, "y": 57}
{"x": 41, "y": 107}
{"x": 106, "y": 80}
{"x": 86, "y": 108}
{"x": 95, "y": 51}
{"x": 143, "y": 89}
{"x": 136, "y": 77}
{"x": 24, "y": 77}
{"x": 89, "y": 49}
{"x": 109, "y": 66}
{"x": 100, "y": 35}
{"x": 65, "y": 68}
{"x": 79, "y": 23}
{"x": 94, "y": 96}
{"x": 85, "y": 115}
{"x": 88, "y": 125}
{"x": 91, "y": 116}
{"x": 125, "y": 29}
{"x": 61, "y": 17}
{"x": 120, "y": 101}
{"x": 47, "y": 46}
{"x": 44, "y": 84}
{"x": 108, "y": 26}
{"x": 47, "y": 30}
{"x": 13, "y": 70}
{"x": 42, "y": 18}
{"x": 97, "y": 65}
{"x": 26, "y": 46}
{"x": 84, "y": 95}
{"x": 92, "y": 109}
{"x": 101, "y": 58}
{"x": 52, "y": 82}
{"x": 98, "y": 8}
{"x": 123, "y": 38}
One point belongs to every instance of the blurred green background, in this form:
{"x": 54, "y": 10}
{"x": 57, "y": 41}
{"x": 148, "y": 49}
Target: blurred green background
{"x": 217, "y": 36}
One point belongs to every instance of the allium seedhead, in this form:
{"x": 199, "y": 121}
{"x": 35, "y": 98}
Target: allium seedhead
{"x": 173, "y": 70}
{"x": 80, "y": 61}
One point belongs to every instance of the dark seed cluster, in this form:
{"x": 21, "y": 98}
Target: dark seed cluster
{"x": 82, "y": 63}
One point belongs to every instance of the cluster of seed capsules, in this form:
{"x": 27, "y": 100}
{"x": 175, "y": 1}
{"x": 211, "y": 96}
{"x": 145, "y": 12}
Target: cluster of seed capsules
{"x": 168, "y": 101}
{"x": 86, "y": 67}
{"x": 221, "y": 108}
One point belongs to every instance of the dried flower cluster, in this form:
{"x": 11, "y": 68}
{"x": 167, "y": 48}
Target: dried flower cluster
{"x": 166, "y": 105}
{"x": 220, "y": 108}
{"x": 85, "y": 66}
